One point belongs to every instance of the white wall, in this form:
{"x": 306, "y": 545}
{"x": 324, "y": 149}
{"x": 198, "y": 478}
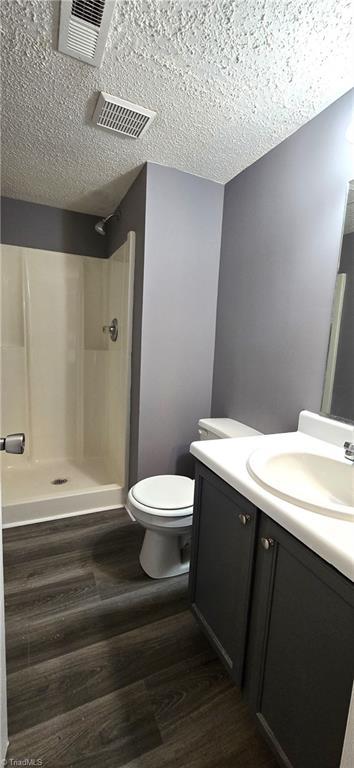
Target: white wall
{"x": 13, "y": 410}
{"x": 106, "y": 296}
{"x": 121, "y": 268}
{"x": 53, "y": 335}
{"x": 95, "y": 419}
{"x": 40, "y": 346}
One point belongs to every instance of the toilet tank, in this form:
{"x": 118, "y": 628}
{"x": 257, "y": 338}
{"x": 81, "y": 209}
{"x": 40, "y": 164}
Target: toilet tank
{"x": 214, "y": 429}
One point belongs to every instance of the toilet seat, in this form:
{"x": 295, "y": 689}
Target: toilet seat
{"x": 164, "y": 495}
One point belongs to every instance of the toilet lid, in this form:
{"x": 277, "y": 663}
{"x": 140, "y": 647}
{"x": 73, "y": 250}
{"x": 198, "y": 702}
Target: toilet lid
{"x": 165, "y": 492}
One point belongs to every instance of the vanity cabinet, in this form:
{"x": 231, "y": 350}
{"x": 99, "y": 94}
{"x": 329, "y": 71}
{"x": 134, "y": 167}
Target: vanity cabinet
{"x": 224, "y": 535}
{"x": 281, "y": 618}
{"x": 301, "y": 650}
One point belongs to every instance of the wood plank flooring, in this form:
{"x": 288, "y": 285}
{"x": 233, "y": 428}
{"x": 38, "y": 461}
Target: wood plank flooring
{"x": 107, "y": 667}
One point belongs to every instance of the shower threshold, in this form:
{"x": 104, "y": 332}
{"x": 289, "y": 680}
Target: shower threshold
{"x": 47, "y": 490}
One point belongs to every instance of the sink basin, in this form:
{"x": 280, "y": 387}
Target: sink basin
{"x": 317, "y": 482}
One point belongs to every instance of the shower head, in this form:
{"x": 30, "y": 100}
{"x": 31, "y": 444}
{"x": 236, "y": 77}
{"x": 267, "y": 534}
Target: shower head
{"x": 100, "y": 225}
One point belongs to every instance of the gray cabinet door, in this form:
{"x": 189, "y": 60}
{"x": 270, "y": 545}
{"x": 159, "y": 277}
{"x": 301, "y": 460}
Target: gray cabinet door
{"x": 224, "y": 525}
{"x": 301, "y": 652}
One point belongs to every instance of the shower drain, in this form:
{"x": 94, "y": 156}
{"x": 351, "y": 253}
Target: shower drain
{"x": 59, "y": 481}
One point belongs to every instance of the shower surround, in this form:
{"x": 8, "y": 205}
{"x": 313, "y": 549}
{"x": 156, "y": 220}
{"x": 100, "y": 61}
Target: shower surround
{"x": 65, "y": 383}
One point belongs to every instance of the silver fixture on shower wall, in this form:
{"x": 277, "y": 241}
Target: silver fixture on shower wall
{"x": 13, "y": 443}
{"x": 112, "y": 329}
{"x": 100, "y": 225}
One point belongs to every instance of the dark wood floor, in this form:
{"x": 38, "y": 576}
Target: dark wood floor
{"x": 107, "y": 667}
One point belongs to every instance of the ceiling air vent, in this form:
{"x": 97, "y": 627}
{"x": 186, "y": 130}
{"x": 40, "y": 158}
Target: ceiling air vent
{"x": 84, "y": 28}
{"x": 122, "y": 116}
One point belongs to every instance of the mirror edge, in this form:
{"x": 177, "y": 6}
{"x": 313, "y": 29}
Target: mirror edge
{"x": 323, "y": 411}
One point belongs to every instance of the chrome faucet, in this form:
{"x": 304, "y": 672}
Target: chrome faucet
{"x": 349, "y": 451}
{"x": 13, "y": 443}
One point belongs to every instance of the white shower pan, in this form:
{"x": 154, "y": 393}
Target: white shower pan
{"x": 65, "y": 382}
{"x": 33, "y": 493}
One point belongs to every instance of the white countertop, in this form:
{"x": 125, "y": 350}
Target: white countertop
{"x": 329, "y": 537}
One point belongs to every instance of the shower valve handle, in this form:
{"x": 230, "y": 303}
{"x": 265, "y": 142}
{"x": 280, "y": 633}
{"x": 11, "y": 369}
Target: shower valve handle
{"x": 112, "y": 329}
{"x": 13, "y": 443}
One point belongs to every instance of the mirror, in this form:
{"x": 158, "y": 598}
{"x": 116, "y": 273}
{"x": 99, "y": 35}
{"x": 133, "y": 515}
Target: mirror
{"x": 338, "y": 391}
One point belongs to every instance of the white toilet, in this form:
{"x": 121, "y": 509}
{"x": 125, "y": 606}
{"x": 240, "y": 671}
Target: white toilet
{"x": 163, "y": 505}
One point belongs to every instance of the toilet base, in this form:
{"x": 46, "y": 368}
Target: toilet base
{"x": 161, "y": 555}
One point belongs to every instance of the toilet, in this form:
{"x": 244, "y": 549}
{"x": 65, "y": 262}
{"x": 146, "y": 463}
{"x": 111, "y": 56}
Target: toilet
{"x": 163, "y": 505}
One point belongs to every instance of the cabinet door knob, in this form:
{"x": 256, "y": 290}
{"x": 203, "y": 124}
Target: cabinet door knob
{"x": 267, "y": 543}
{"x": 244, "y": 519}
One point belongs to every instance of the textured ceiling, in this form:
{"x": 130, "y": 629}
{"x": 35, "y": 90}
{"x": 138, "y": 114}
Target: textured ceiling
{"x": 229, "y": 81}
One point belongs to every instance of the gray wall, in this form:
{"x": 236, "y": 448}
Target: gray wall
{"x": 182, "y": 247}
{"x": 52, "y": 229}
{"x": 343, "y": 389}
{"x": 132, "y": 218}
{"x": 281, "y": 236}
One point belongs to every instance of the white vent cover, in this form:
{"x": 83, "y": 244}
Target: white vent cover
{"x": 122, "y": 116}
{"x": 84, "y": 28}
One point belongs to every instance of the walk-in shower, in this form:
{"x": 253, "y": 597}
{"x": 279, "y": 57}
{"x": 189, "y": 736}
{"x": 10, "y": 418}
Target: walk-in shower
{"x": 66, "y": 349}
